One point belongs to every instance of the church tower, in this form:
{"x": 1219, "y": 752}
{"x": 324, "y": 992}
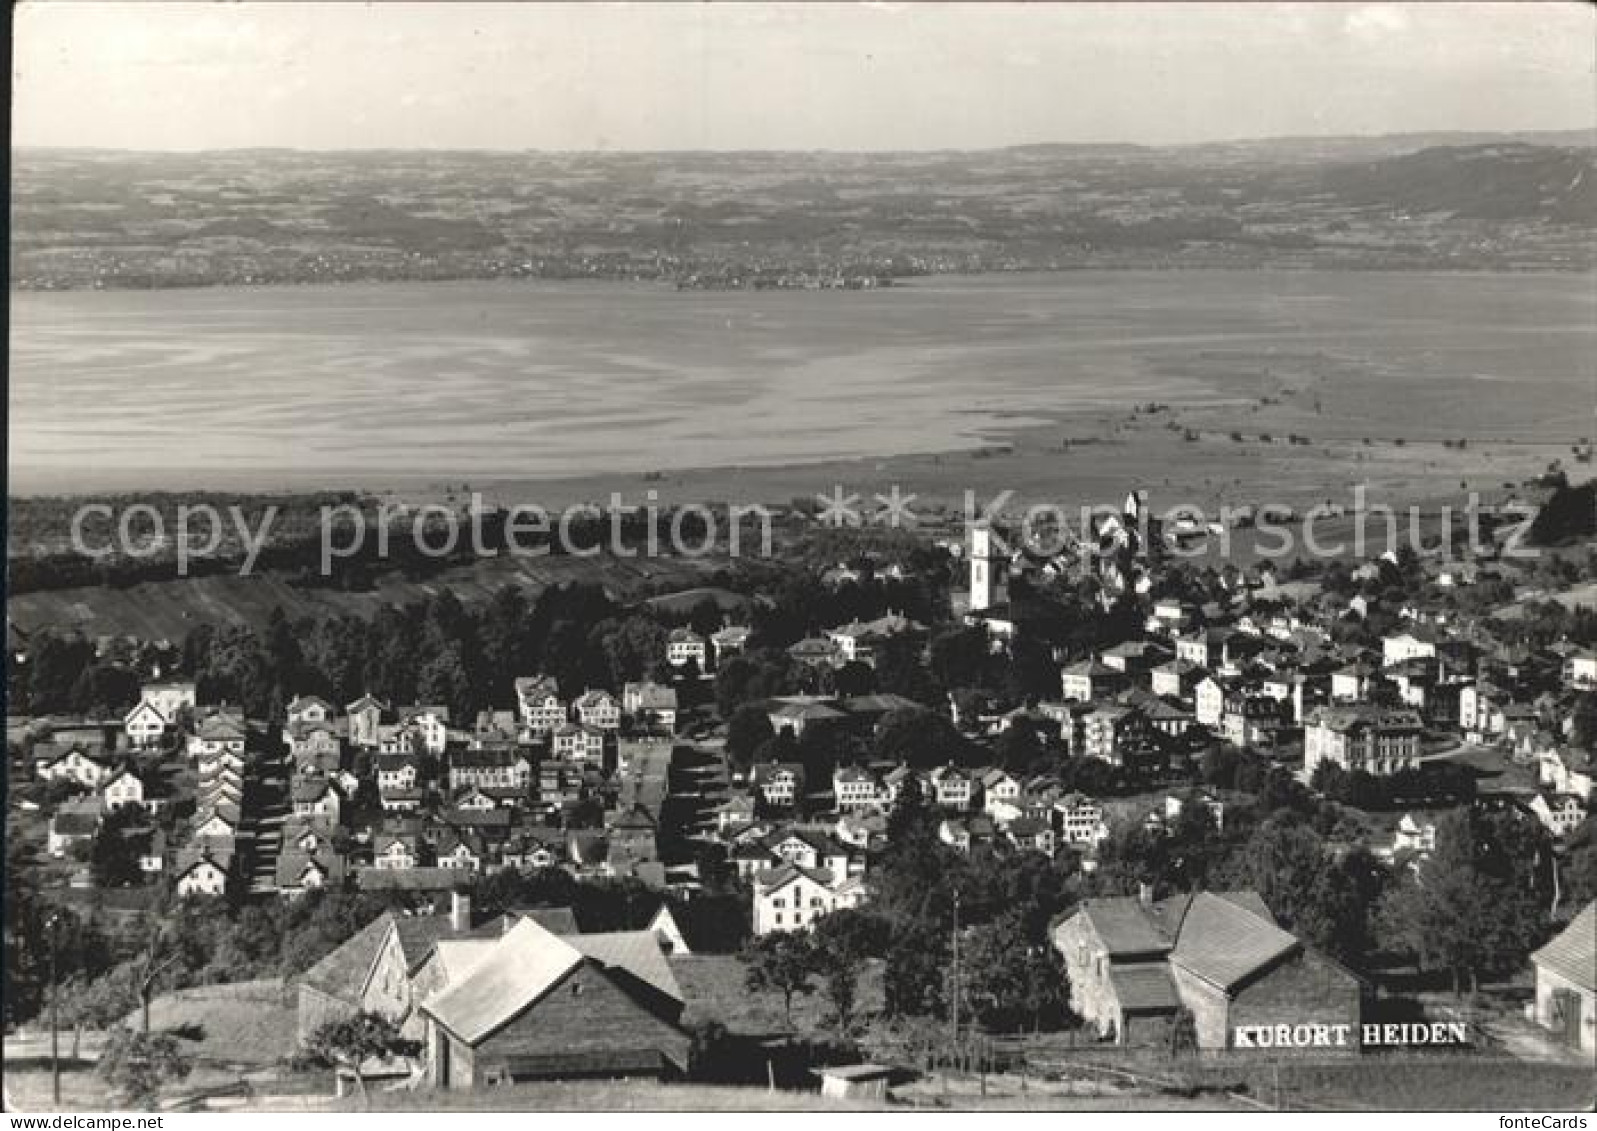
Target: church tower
{"x": 988, "y": 569}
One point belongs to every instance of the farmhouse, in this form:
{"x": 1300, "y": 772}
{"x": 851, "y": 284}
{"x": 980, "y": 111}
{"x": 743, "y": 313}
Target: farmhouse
{"x": 539, "y": 1005}
{"x": 1133, "y": 963}
{"x": 1566, "y": 983}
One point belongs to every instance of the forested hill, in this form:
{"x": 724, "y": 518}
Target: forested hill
{"x": 89, "y": 218}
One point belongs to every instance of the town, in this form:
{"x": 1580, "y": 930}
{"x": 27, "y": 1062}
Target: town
{"x": 968, "y": 808}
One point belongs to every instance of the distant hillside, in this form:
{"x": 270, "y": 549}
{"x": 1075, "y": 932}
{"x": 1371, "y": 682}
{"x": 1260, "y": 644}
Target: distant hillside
{"x": 85, "y": 218}
{"x": 1489, "y": 182}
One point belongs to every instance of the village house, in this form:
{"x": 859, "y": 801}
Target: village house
{"x": 1412, "y": 837}
{"x": 1373, "y": 740}
{"x": 1214, "y": 648}
{"x": 397, "y": 771}
{"x": 816, "y": 652}
{"x": 961, "y": 833}
{"x": 735, "y": 812}
{"x": 171, "y": 698}
{"x": 314, "y": 746}
{"x": 298, "y": 872}
{"x": 1580, "y": 670}
{"x": 1087, "y": 680}
{"x": 309, "y": 709}
{"x": 684, "y": 646}
{"x": 1251, "y": 720}
{"x": 578, "y": 743}
{"x": 489, "y": 768}
{"x": 204, "y": 876}
{"x": 1000, "y": 794}
{"x": 1177, "y": 679}
{"x": 1135, "y": 658}
{"x": 598, "y": 710}
{"x": 853, "y": 788}
{"x": 857, "y": 642}
{"x": 861, "y": 831}
{"x": 218, "y": 734}
{"x": 395, "y": 852}
{"x": 122, "y": 789}
{"x": 366, "y": 716}
{"x": 1133, "y": 963}
{"x": 732, "y": 640}
{"x": 73, "y": 823}
{"x": 1114, "y": 733}
{"x": 798, "y": 713}
{"x": 1560, "y": 813}
{"x": 651, "y": 705}
{"x": 145, "y": 726}
{"x": 1566, "y": 983}
{"x": 1081, "y": 820}
{"x": 780, "y": 783}
{"x": 1031, "y": 834}
{"x": 792, "y": 897}
{"x": 76, "y": 765}
{"x": 542, "y": 709}
{"x": 953, "y": 788}
{"x": 431, "y": 724}
{"x": 316, "y": 799}
{"x": 1208, "y": 702}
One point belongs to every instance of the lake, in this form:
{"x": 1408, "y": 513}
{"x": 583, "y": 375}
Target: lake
{"x": 359, "y": 384}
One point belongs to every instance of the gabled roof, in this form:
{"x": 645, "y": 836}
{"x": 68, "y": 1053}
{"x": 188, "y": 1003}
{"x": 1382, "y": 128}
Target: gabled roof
{"x": 1123, "y": 927}
{"x": 559, "y": 920}
{"x": 520, "y": 969}
{"x": 637, "y": 953}
{"x": 1572, "y": 953}
{"x": 1225, "y": 940}
{"x": 342, "y": 972}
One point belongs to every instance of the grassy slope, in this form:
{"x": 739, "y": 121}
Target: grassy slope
{"x": 243, "y": 1023}
{"x": 169, "y": 609}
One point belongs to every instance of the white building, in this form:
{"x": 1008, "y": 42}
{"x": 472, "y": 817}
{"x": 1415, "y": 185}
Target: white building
{"x": 792, "y": 898}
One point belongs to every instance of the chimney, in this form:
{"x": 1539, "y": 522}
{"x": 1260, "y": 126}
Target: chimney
{"x": 1145, "y": 894}
{"x": 459, "y": 911}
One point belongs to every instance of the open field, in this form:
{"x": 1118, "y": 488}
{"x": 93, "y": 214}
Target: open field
{"x": 716, "y": 991}
{"x": 237, "y": 1023}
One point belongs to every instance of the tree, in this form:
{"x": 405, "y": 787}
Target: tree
{"x": 781, "y": 963}
{"x": 348, "y": 1042}
{"x": 919, "y": 737}
{"x": 841, "y": 942}
{"x": 1013, "y": 981}
{"x": 97, "y": 1003}
{"x": 137, "y": 1064}
{"x": 1477, "y": 905}
{"x": 747, "y": 730}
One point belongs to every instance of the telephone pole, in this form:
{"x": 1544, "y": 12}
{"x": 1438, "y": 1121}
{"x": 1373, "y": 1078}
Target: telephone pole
{"x": 55, "y": 1028}
{"x": 955, "y": 1008}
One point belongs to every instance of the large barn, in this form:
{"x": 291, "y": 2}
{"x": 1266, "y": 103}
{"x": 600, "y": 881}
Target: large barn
{"x": 537, "y": 1005}
{"x": 1136, "y": 963}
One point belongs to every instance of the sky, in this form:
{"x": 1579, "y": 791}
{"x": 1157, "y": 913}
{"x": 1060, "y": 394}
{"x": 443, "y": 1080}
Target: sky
{"x": 726, "y": 76}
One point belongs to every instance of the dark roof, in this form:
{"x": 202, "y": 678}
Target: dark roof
{"x": 1144, "y": 987}
{"x": 1572, "y": 953}
{"x": 557, "y": 920}
{"x": 528, "y": 962}
{"x": 342, "y": 973}
{"x": 1225, "y": 940}
{"x": 418, "y": 933}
